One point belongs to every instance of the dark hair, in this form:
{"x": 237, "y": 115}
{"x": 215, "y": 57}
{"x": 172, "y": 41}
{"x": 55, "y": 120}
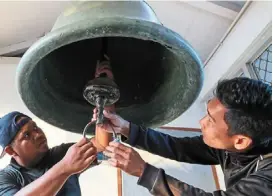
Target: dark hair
{"x": 249, "y": 104}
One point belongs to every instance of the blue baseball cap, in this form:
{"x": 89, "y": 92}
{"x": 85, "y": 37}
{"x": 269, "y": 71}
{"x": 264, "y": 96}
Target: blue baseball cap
{"x": 9, "y": 128}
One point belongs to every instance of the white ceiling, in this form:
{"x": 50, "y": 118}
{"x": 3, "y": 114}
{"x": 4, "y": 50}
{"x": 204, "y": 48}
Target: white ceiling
{"x": 202, "y": 24}
{"x": 25, "y": 20}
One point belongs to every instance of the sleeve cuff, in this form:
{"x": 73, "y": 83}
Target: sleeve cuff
{"x": 148, "y": 177}
{"x": 133, "y": 135}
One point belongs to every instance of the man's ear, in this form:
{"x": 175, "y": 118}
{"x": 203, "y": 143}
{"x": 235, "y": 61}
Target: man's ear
{"x": 242, "y": 142}
{"x": 9, "y": 150}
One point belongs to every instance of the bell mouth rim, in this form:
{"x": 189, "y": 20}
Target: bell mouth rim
{"x": 100, "y": 28}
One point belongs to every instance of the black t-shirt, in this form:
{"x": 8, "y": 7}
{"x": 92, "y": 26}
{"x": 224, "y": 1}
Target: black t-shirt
{"x": 14, "y": 177}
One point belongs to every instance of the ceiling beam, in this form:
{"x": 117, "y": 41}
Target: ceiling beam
{"x": 9, "y": 60}
{"x": 18, "y": 48}
{"x": 213, "y": 8}
{"x": 231, "y": 5}
{"x": 180, "y": 129}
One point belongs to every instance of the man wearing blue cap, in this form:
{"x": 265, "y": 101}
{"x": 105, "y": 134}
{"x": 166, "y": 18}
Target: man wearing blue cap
{"x": 34, "y": 168}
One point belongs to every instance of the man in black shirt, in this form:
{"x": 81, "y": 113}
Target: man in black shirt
{"x": 236, "y": 133}
{"x": 34, "y": 168}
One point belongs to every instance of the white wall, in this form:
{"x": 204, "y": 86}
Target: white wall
{"x": 249, "y": 34}
{"x": 197, "y": 22}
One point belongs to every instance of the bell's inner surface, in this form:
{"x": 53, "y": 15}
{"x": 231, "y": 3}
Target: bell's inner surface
{"x": 140, "y": 67}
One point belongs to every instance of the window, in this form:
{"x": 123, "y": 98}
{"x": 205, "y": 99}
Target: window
{"x": 258, "y": 67}
{"x": 262, "y": 66}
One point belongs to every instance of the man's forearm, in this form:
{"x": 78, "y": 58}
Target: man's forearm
{"x": 48, "y": 184}
{"x": 161, "y": 184}
{"x": 174, "y": 148}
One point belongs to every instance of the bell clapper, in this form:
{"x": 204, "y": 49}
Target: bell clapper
{"x": 102, "y": 92}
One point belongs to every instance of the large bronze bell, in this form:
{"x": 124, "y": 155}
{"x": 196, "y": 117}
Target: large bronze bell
{"x": 158, "y": 73}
